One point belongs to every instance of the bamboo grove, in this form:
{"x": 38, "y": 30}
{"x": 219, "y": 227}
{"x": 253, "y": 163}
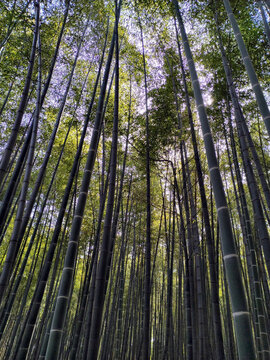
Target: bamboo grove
{"x": 134, "y": 179}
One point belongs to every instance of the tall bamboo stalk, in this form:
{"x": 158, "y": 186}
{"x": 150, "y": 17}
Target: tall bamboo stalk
{"x": 241, "y": 314}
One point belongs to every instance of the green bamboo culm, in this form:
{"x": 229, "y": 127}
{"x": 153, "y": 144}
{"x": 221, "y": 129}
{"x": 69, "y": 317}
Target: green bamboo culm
{"x": 241, "y": 316}
{"x": 265, "y": 22}
{"x": 249, "y": 68}
{"x": 64, "y": 292}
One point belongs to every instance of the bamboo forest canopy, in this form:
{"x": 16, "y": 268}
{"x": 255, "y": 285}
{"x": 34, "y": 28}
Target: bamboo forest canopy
{"x": 134, "y": 179}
